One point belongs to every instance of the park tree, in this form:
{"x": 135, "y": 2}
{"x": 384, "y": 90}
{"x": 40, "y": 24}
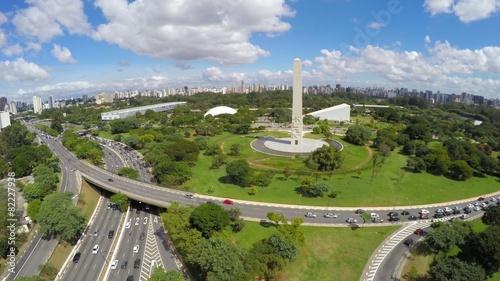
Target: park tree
{"x": 172, "y": 173}
{"x": 317, "y": 189}
{"x": 326, "y": 158}
{"x": 208, "y": 218}
{"x": 238, "y": 171}
{"x": 418, "y": 131}
{"x": 34, "y": 208}
{"x": 183, "y": 150}
{"x": 445, "y": 268}
{"x": 283, "y": 247}
{"x": 492, "y": 215}
{"x": 292, "y": 231}
{"x": 128, "y": 172}
{"x": 235, "y": 149}
{"x": 16, "y": 135}
{"x": 484, "y": 246}
{"x": 218, "y": 161}
{"x": 220, "y": 260}
{"x": 121, "y": 200}
{"x": 415, "y": 164}
{"x": 287, "y": 173}
{"x": 444, "y": 237}
{"x": 213, "y": 149}
{"x": 358, "y": 134}
{"x": 460, "y": 170}
{"x": 159, "y": 274}
{"x": 60, "y": 218}
{"x": 57, "y": 121}
{"x": 276, "y": 218}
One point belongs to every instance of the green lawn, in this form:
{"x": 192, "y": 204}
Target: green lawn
{"x": 390, "y": 186}
{"x": 328, "y": 254}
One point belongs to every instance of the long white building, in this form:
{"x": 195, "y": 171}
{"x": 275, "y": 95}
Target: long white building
{"x": 341, "y": 112}
{"x": 129, "y": 112}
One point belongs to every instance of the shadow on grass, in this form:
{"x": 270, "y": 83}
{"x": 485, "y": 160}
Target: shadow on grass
{"x": 422, "y": 249}
{"x": 266, "y": 224}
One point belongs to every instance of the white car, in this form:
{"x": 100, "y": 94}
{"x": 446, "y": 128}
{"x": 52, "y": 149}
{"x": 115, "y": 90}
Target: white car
{"x": 448, "y": 209}
{"x": 95, "y": 249}
{"x": 464, "y": 216}
{"x": 351, "y": 220}
{"x": 330, "y": 215}
{"x": 374, "y": 215}
{"x": 424, "y": 212}
{"x": 136, "y": 249}
{"x": 310, "y": 215}
{"x": 127, "y": 225}
{"x": 470, "y": 206}
{"x": 114, "y": 264}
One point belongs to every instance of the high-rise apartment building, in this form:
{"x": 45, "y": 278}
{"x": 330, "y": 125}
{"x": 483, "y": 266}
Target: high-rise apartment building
{"x": 51, "y": 102}
{"x": 13, "y": 107}
{"x": 4, "y": 119}
{"x": 3, "y": 103}
{"x": 37, "y": 105}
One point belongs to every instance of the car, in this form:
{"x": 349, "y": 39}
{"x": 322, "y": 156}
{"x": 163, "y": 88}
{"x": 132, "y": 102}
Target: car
{"x": 124, "y": 264}
{"x": 374, "y": 215}
{"x": 424, "y": 212}
{"x": 127, "y": 225}
{"x": 377, "y": 220}
{"x": 408, "y": 242}
{"x": 480, "y": 198}
{"x": 477, "y": 208}
{"x": 310, "y": 215}
{"x": 141, "y": 237}
{"x": 448, "y": 209}
{"x": 96, "y": 232}
{"x": 438, "y": 215}
{"x": 359, "y": 211}
{"x": 464, "y": 216}
{"x": 441, "y": 211}
{"x": 137, "y": 263}
{"x": 108, "y": 206}
{"x": 228, "y": 202}
{"x": 484, "y": 205}
{"x": 130, "y": 278}
{"x": 393, "y": 214}
{"x": 470, "y": 206}
{"x": 135, "y": 250}
{"x": 110, "y": 180}
{"x": 330, "y": 215}
{"x": 351, "y": 220}
{"x": 456, "y": 212}
{"x": 95, "y": 249}
{"x": 189, "y": 196}
{"x": 412, "y": 218}
{"x": 393, "y": 218}
{"x": 76, "y": 257}
{"x": 111, "y": 234}
{"x": 405, "y": 213}
{"x": 467, "y": 211}
{"x": 137, "y": 211}
{"x": 114, "y": 264}
{"x": 419, "y": 231}
{"x": 146, "y": 207}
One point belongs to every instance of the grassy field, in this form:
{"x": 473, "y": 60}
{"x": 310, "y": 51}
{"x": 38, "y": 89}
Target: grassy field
{"x": 87, "y": 201}
{"x": 391, "y": 185}
{"x": 328, "y": 254}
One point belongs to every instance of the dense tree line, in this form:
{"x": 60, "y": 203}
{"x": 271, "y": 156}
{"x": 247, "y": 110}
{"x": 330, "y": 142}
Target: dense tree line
{"x": 201, "y": 235}
{"x": 479, "y": 253}
{"x": 83, "y": 148}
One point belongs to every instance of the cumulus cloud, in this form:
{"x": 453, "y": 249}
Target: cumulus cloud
{"x": 466, "y": 10}
{"x": 12, "y": 50}
{"x": 22, "y": 70}
{"x": 62, "y": 54}
{"x": 445, "y": 67}
{"x": 192, "y": 29}
{"x": 427, "y": 39}
{"x": 375, "y": 25}
{"x": 45, "y": 19}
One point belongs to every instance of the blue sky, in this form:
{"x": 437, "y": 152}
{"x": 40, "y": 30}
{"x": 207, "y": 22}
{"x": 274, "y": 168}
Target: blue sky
{"x": 67, "y": 48}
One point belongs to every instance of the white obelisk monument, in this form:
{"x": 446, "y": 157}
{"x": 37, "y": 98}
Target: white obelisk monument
{"x": 297, "y": 103}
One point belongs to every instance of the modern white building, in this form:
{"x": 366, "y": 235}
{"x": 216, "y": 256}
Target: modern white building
{"x": 130, "y": 112}
{"x": 37, "y": 105}
{"x": 220, "y": 110}
{"x": 51, "y": 101}
{"x": 341, "y": 112}
{"x": 13, "y": 107}
{"x": 4, "y": 119}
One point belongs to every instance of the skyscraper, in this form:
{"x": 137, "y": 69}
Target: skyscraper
{"x": 4, "y": 119}
{"x": 3, "y": 103}
{"x": 37, "y": 105}
{"x": 13, "y": 107}
{"x": 51, "y": 102}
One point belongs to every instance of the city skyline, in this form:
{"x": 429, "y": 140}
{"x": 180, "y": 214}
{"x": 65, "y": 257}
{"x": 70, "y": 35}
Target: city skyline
{"x": 68, "y": 48}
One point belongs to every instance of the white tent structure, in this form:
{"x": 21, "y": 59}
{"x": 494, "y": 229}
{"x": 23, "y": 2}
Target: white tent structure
{"x": 341, "y": 112}
{"x": 220, "y": 110}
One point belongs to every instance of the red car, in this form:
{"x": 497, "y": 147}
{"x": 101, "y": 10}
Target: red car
{"x": 419, "y": 231}
{"x": 228, "y": 202}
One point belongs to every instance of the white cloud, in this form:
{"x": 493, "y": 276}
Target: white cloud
{"x": 62, "y": 54}
{"x": 22, "y": 70}
{"x": 3, "y": 38}
{"x": 12, "y": 50}
{"x": 186, "y": 30}
{"x": 427, "y": 39}
{"x": 375, "y": 25}
{"x": 466, "y": 10}
{"x": 3, "y": 18}
{"x": 44, "y": 19}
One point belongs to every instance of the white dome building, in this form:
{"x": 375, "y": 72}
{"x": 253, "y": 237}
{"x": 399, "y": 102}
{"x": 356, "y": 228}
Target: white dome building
{"x": 220, "y": 110}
